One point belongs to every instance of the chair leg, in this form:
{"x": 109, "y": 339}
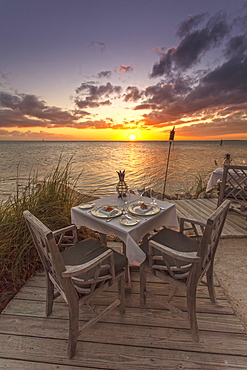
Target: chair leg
{"x": 142, "y": 286}
{"x": 191, "y": 306}
{"x": 210, "y": 283}
{"x": 49, "y": 296}
{"x": 73, "y": 328}
{"x": 121, "y": 294}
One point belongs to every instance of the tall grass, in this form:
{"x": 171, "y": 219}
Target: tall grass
{"x": 49, "y": 200}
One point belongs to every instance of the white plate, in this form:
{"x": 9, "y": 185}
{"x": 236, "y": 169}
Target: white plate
{"x": 128, "y": 221}
{"x": 135, "y": 209}
{"x": 86, "y": 205}
{"x": 97, "y": 211}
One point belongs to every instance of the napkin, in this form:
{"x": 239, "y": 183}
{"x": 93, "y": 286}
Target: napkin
{"x": 110, "y": 213}
{"x": 141, "y": 210}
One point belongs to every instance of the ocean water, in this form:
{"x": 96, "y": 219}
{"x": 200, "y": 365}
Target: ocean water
{"x": 144, "y": 163}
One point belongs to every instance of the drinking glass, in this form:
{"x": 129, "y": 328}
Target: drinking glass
{"x": 125, "y": 199}
{"x": 153, "y": 196}
{"x": 141, "y": 190}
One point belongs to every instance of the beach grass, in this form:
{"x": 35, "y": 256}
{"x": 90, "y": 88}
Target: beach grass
{"x": 50, "y": 200}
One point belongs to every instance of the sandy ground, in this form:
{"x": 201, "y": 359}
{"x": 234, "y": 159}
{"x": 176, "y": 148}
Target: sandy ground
{"x": 230, "y": 269}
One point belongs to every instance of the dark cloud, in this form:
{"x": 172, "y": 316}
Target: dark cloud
{"x": 218, "y": 127}
{"x": 30, "y": 135}
{"x": 98, "y": 45}
{"x": 193, "y": 45}
{"x": 89, "y": 95}
{"x": 236, "y": 46}
{"x": 209, "y": 96}
{"x": 226, "y": 85}
{"x": 23, "y": 110}
{"x": 133, "y": 94}
{"x": 106, "y": 74}
{"x": 189, "y": 24}
{"x": 145, "y": 106}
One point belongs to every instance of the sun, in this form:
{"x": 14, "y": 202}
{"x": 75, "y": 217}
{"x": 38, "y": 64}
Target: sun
{"x": 132, "y": 137}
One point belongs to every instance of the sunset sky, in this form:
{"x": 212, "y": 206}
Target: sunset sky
{"x": 123, "y": 70}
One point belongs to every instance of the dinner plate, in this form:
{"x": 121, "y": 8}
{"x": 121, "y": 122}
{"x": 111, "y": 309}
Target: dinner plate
{"x": 86, "y": 205}
{"x": 128, "y": 221}
{"x": 100, "y": 212}
{"x": 152, "y": 209}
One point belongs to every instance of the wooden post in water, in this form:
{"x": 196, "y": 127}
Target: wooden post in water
{"x": 171, "y": 139}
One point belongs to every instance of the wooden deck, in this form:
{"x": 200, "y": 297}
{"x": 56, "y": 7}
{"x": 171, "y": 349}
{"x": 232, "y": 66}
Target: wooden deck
{"x": 200, "y": 209}
{"x": 148, "y": 338}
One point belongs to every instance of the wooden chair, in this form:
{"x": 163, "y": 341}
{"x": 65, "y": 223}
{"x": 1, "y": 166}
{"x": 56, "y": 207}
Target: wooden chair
{"x": 77, "y": 270}
{"x": 182, "y": 260}
{"x": 234, "y": 187}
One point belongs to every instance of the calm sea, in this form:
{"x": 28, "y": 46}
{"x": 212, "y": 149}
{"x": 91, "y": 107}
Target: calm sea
{"x": 143, "y": 162}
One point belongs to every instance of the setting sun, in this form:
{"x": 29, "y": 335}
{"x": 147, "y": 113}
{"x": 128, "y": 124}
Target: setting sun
{"x": 132, "y": 137}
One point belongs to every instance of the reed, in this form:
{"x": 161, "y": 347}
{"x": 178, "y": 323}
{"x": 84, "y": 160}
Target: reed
{"x": 50, "y": 200}
{"x": 200, "y": 184}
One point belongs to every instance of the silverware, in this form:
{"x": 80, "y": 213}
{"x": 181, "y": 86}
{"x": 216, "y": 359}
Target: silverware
{"x": 139, "y": 217}
{"x": 109, "y": 219}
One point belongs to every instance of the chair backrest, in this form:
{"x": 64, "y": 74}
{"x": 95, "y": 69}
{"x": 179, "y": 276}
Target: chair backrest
{"x": 210, "y": 239}
{"x": 234, "y": 184}
{"x": 50, "y": 255}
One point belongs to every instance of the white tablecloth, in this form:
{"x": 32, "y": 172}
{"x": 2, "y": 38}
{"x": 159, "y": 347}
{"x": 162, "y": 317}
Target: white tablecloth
{"x": 130, "y": 235}
{"x": 216, "y": 175}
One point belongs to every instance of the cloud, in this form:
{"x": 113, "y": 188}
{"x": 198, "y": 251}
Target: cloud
{"x": 104, "y": 74}
{"x": 194, "y": 44}
{"x": 30, "y": 135}
{"x": 186, "y": 26}
{"x": 97, "y": 45}
{"x": 217, "y": 128}
{"x": 24, "y": 110}
{"x": 132, "y": 94}
{"x": 208, "y": 96}
{"x": 89, "y": 95}
{"x": 123, "y": 69}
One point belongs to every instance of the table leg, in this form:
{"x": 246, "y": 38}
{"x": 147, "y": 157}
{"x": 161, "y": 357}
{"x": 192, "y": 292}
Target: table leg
{"x": 103, "y": 238}
{"x": 127, "y": 274}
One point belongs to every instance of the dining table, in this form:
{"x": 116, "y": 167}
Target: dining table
{"x": 131, "y": 227}
{"x": 214, "y": 178}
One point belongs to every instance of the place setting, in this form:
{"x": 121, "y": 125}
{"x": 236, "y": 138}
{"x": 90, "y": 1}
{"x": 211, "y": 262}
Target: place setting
{"x": 130, "y": 211}
{"x": 142, "y": 208}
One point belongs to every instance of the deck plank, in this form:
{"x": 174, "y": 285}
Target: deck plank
{"x": 200, "y": 209}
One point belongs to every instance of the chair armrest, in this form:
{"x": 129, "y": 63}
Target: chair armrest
{"x": 195, "y": 222}
{"x": 63, "y": 237}
{"x": 64, "y": 230}
{"x": 182, "y": 256}
{"x": 81, "y": 269}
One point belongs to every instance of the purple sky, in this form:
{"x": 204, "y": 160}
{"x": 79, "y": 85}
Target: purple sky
{"x": 74, "y": 69}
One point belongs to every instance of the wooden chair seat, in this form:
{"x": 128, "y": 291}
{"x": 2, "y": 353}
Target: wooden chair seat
{"x": 172, "y": 238}
{"x": 85, "y": 251}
